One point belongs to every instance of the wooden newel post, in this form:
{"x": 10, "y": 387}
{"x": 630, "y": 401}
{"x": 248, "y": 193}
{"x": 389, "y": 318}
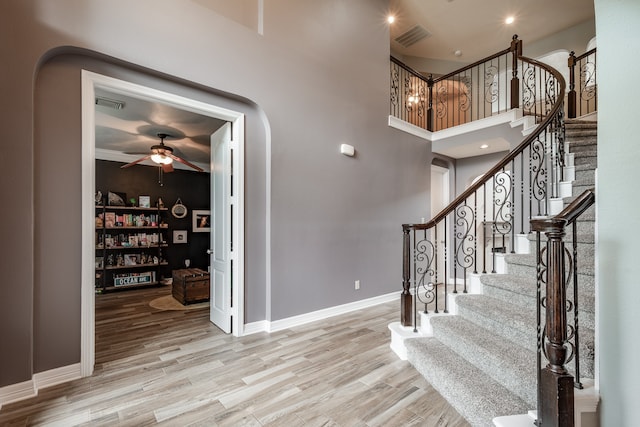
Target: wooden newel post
{"x": 516, "y": 51}
{"x": 430, "y": 104}
{"x": 556, "y": 384}
{"x": 406, "y": 299}
{"x": 571, "y": 97}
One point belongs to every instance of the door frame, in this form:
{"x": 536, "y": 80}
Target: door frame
{"x": 90, "y": 81}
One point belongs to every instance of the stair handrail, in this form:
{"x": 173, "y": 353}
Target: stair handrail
{"x": 408, "y": 312}
{"x": 579, "y": 205}
{"x": 555, "y": 334}
{"x": 423, "y": 92}
{"x": 546, "y": 121}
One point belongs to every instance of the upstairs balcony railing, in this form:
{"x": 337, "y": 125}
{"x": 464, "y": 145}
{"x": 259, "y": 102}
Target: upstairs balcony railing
{"x": 583, "y": 92}
{"x": 476, "y": 91}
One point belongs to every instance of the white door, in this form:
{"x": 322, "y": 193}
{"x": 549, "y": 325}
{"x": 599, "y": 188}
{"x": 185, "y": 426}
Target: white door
{"x": 220, "y": 252}
{"x": 439, "y": 201}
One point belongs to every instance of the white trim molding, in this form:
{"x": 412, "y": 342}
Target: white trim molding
{"x": 91, "y": 81}
{"x": 302, "y": 319}
{"x": 41, "y": 380}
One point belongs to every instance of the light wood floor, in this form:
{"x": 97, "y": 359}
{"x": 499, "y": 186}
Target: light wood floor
{"x": 175, "y": 368}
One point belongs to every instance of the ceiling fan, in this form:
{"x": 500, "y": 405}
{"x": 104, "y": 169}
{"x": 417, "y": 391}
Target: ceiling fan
{"x": 163, "y": 156}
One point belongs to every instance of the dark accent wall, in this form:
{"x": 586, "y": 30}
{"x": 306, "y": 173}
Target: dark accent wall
{"x": 191, "y": 187}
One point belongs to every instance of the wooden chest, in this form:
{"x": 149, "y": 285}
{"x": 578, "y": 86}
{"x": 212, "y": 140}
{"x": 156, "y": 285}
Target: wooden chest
{"x": 190, "y": 285}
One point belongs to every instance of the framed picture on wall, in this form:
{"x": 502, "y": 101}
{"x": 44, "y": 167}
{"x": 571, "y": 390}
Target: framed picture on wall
{"x": 179, "y": 236}
{"x": 144, "y": 201}
{"x": 201, "y": 221}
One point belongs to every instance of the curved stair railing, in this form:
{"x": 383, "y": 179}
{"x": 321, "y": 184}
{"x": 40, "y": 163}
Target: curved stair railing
{"x": 469, "y": 234}
{"x": 479, "y": 90}
{"x": 557, "y": 295}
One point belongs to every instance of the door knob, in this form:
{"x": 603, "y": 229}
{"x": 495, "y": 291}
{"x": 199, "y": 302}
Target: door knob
{"x": 209, "y": 251}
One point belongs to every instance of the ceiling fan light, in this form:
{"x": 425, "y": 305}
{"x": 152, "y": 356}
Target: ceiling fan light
{"x": 161, "y": 159}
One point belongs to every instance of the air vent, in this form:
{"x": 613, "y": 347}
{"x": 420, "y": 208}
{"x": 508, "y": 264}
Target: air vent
{"x": 109, "y": 103}
{"x": 413, "y": 36}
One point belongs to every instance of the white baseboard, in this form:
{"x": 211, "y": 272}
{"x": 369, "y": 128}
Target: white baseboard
{"x": 17, "y": 392}
{"x": 279, "y": 325}
{"x": 27, "y": 389}
{"x": 56, "y": 376}
{"x": 256, "y": 327}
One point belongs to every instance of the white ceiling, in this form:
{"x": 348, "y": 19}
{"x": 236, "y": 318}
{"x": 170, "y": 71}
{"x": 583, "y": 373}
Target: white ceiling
{"x": 134, "y": 129}
{"x": 477, "y": 28}
{"x": 474, "y": 27}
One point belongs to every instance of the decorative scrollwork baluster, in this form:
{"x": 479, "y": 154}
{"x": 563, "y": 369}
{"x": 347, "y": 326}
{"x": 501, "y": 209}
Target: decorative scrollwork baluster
{"x": 465, "y": 224}
{"x": 491, "y": 88}
{"x": 425, "y": 251}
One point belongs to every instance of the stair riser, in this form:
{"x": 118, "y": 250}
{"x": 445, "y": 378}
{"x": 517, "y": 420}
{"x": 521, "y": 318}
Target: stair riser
{"x": 520, "y": 334}
{"x": 586, "y": 280}
{"x": 519, "y": 382}
{"x": 582, "y": 133}
{"x": 524, "y": 334}
{"x": 585, "y": 177}
{"x": 586, "y": 304}
{"x": 591, "y": 161}
{"x": 579, "y": 147}
{"x": 586, "y": 251}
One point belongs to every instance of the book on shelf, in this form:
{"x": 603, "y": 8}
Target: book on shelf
{"x": 109, "y": 219}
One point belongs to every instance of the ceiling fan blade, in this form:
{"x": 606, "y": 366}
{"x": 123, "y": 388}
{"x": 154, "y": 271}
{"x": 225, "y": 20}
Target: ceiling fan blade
{"x": 142, "y": 159}
{"x": 167, "y": 168}
{"x": 184, "y": 162}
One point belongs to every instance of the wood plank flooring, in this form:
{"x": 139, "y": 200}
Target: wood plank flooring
{"x": 175, "y": 368}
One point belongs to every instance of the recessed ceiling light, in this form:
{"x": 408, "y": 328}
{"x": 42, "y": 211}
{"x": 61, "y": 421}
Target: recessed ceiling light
{"x": 484, "y": 146}
{"x": 391, "y": 19}
{"x": 509, "y": 20}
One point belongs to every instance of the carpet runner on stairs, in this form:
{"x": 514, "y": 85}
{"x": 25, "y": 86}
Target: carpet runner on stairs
{"x": 483, "y": 359}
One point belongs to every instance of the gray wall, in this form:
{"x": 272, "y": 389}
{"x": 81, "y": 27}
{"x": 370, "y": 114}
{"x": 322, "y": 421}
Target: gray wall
{"x": 617, "y": 211}
{"x": 469, "y": 168}
{"x": 313, "y": 81}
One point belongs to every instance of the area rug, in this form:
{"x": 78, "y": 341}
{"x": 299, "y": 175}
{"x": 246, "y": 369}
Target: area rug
{"x": 167, "y": 302}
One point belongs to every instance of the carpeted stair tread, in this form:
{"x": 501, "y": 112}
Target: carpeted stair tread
{"x": 529, "y": 260}
{"x": 475, "y": 395}
{"x": 512, "y": 322}
{"x": 517, "y": 324}
{"x": 511, "y": 365}
{"x": 522, "y": 291}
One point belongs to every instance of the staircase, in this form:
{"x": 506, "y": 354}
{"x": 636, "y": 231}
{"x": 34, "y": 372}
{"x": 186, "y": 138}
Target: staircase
{"x": 483, "y": 359}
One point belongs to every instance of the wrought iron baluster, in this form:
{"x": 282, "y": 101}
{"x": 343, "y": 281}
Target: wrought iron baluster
{"x": 475, "y": 233}
{"x": 578, "y": 383}
{"x": 436, "y": 265}
{"x": 522, "y": 205}
{"x": 493, "y": 228}
{"x": 511, "y": 216}
{"x": 484, "y": 228}
{"x": 455, "y": 256}
{"x": 415, "y": 283}
{"x": 446, "y": 267}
